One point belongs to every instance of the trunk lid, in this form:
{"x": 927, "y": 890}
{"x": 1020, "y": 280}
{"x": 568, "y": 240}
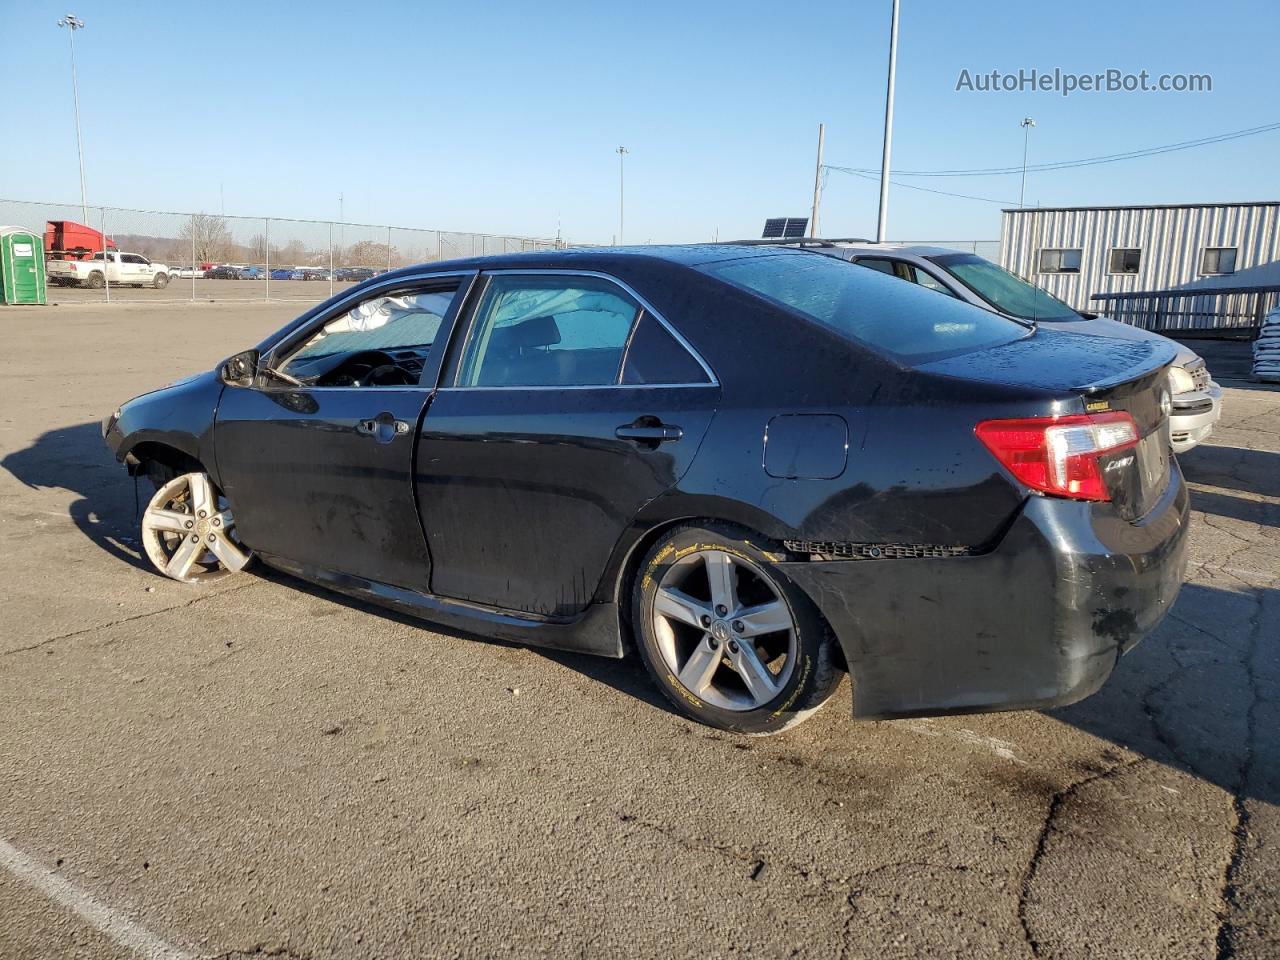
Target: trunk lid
{"x": 1096, "y": 374}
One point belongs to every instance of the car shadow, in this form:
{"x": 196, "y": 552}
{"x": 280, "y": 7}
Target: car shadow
{"x": 75, "y": 459}
{"x": 1192, "y": 695}
{"x": 1232, "y": 468}
{"x": 1187, "y": 696}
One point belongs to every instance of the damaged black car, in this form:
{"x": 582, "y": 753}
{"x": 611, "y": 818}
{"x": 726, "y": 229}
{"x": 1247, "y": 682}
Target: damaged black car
{"x": 761, "y": 469}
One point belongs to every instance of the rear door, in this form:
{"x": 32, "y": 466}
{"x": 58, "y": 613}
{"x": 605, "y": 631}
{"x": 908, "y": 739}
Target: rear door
{"x": 322, "y": 473}
{"x": 569, "y": 405}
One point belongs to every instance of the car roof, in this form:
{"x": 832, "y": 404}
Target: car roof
{"x": 603, "y": 259}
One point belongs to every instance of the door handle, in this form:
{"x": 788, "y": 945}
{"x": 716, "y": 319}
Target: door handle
{"x": 653, "y": 433}
{"x": 384, "y": 428}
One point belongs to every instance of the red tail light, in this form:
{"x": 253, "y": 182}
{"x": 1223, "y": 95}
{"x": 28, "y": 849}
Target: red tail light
{"x": 1059, "y": 455}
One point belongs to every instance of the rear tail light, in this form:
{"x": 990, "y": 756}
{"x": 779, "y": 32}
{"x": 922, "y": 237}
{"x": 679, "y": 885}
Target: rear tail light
{"x": 1059, "y": 455}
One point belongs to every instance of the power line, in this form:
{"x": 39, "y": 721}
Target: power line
{"x": 911, "y": 186}
{"x": 1083, "y": 162}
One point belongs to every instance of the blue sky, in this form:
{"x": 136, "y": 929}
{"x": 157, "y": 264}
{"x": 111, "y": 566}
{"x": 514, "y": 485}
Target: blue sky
{"x": 504, "y": 117}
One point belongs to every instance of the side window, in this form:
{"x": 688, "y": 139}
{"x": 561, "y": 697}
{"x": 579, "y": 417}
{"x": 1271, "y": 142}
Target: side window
{"x": 132, "y": 258}
{"x": 381, "y": 341}
{"x": 884, "y": 266}
{"x": 539, "y": 331}
{"x": 655, "y": 356}
{"x": 926, "y": 279}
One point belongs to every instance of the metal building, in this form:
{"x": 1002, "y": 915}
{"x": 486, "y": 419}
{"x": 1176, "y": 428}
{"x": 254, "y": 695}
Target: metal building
{"x": 1076, "y": 252}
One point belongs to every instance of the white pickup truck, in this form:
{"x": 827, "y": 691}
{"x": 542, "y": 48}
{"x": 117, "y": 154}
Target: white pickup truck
{"x": 120, "y": 268}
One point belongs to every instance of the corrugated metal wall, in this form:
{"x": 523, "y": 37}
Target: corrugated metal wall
{"x": 1172, "y": 241}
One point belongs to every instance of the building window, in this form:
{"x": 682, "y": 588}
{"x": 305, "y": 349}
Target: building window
{"x": 1060, "y": 261}
{"x": 1218, "y": 260}
{"x": 1125, "y": 260}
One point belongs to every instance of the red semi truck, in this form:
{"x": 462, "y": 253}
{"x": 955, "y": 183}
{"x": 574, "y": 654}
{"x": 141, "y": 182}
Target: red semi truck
{"x": 66, "y": 240}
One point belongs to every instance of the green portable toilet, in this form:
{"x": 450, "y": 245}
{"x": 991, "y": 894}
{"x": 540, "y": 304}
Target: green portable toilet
{"x": 21, "y": 266}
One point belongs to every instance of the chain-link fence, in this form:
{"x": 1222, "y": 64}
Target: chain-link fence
{"x": 108, "y": 253}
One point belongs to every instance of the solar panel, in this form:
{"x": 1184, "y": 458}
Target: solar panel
{"x": 786, "y": 228}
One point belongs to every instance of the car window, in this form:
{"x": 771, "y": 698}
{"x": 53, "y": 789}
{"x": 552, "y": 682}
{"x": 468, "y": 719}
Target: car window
{"x": 875, "y": 263}
{"x": 535, "y": 331}
{"x": 926, "y": 279}
{"x": 884, "y": 313}
{"x": 1004, "y": 291}
{"x": 401, "y": 322}
{"x": 655, "y": 356}
{"x": 132, "y": 258}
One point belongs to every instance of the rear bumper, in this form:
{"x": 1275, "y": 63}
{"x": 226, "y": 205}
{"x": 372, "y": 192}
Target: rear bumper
{"x": 1040, "y": 621}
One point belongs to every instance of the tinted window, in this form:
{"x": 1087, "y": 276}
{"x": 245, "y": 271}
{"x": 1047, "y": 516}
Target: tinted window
{"x": 533, "y": 331}
{"x": 1004, "y": 291}
{"x": 883, "y": 312}
{"x": 655, "y": 356}
{"x": 884, "y": 266}
{"x": 926, "y": 279}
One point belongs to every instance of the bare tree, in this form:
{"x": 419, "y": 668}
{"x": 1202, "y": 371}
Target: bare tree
{"x": 212, "y": 238}
{"x": 369, "y": 253}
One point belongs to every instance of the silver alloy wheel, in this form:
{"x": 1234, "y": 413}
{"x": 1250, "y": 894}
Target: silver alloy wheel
{"x": 724, "y": 629}
{"x": 189, "y": 533}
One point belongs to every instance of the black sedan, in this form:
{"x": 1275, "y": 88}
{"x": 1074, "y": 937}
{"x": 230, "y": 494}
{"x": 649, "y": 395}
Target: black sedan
{"x": 763, "y": 468}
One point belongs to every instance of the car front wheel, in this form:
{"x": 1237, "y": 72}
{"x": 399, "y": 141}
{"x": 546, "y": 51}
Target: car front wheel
{"x": 729, "y": 639}
{"x": 161, "y": 281}
{"x": 189, "y": 532}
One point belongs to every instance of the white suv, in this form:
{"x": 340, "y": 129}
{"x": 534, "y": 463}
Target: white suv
{"x": 120, "y": 268}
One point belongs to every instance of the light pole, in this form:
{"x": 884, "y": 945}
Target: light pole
{"x": 622, "y": 153}
{"x": 74, "y": 23}
{"x": 883, "y": 221}
{"x": 1027, "y": 124}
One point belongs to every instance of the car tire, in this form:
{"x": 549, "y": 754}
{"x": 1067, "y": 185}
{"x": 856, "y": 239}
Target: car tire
{"x": 160, "y": 281}
{"x": 706, "y": 657}
{"x": 96, "y": 280}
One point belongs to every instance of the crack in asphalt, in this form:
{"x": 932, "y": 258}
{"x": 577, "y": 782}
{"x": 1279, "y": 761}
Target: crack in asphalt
{"x": 1239, "y": 829}
{"x": 130, "y": 619}
{"x": 1042, "y": 841}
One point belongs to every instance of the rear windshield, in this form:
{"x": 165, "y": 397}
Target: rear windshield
{"x": 910, "y": 322}
{"x": 1004, "y": 291}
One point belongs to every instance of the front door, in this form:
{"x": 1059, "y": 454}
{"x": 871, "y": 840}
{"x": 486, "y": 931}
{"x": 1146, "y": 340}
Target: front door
{"x": 321, "y": 472}
{"x": 571, "y": 407}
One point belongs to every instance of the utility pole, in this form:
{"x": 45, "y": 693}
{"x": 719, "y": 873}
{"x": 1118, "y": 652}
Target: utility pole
{"x": 883, "y": 221}
{"x": 622, "y": 152}
{"x": 1027, "y": 124}
{"x": 817, "y": 187}
{"x": 74, "y": 23}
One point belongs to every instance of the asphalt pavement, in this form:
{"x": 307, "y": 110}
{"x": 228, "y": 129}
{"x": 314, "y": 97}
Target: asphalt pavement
{"x": 259, "y": 768}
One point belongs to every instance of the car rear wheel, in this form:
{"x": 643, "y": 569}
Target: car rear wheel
{"x": 96, "y": 280}
{"x": 161, "y": 281}
{"x": 189, "y": 533}
{"x": 726, "y": 636}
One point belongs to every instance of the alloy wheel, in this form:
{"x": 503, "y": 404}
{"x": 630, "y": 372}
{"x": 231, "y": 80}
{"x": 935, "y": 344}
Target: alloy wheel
{"x": 189, "y": 533}
{"x": 724, "y": 629}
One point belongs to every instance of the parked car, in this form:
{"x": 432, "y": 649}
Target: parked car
{"x": 118, "y": 268}
{"x": 188, "y": 273}
{"x": 354, "y": 274}
{"x": 1197, "y": 399}
{"x": 763, "y": 465}
{"x": 282, "y": 273}
{"x": 223, "y": 272}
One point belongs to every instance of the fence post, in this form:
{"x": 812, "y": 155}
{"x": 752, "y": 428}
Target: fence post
{"x": 331, "y": 258}
{"x": 106, "y": 257}
{"x": 388, "y": 249}
{"x": 194, "y": 266}
{"x": 266, "y": 243}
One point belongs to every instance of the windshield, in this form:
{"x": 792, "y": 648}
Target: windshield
{"x": 1004, "y": 291}
{"x": 905, "y": 320}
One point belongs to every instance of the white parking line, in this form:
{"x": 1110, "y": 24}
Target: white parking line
{"x": 113, "y": 924}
